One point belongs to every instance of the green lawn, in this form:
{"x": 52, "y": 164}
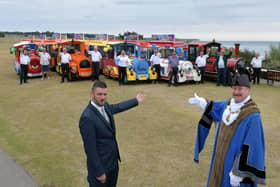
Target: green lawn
{"x": 39, "y": 129}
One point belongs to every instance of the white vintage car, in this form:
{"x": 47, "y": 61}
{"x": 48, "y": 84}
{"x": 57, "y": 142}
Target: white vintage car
{"x": 187, "y": 71}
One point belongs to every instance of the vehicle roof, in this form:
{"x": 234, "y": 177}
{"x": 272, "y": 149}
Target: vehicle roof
{"x": 44, "y": 41}
{"x": 202, "y": 43}
{"x": 134, "y": 42}
{"x": 96, "y": 42}
{"x": 21, "y": 43}
{"x": 72, "y": 42}
{"x": 168, "y": 43}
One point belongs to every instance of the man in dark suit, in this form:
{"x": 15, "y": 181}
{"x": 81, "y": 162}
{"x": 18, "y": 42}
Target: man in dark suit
{"x": 97, "y": 128}
{"x": 221, "y": 65}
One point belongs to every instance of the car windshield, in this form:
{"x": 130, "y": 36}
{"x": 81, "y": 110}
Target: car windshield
{"x": 127, "y": 48}
{"x": 166, "y": 52}
{"x": 71, "y": 48}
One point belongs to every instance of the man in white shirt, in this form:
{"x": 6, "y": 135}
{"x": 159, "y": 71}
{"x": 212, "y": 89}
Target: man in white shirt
{"x": 65, "y": 59}
{"x": 95, "y": 57}
{"x": 45, "y": 62}
{"x": 24, "y": 61}
{"x": 201, "y": 63}
{"x": 155, "y": 62}
{"x": 257, "y": 65}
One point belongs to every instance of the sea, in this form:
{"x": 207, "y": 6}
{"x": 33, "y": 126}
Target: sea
{"x": 257, "y": 46}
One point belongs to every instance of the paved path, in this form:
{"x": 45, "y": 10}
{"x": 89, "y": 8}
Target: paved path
{"x": 13, "y": 175}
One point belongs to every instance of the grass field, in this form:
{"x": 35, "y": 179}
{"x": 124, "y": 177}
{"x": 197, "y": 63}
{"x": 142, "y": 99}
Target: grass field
{"x": 39, "y": 129}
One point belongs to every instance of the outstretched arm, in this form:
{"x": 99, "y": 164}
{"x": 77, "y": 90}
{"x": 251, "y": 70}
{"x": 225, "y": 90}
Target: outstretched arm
{"x": 198, "y": 101}
{"x": 125, "y": 105}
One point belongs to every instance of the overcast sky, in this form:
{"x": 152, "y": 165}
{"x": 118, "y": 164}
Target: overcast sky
{"x": 205, "y": 20}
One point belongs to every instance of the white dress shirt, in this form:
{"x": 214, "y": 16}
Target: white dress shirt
{"x": 102, "y": 111}
{"x": 201, "y": 60}
{"x": 257, "y": 62}
{"x": 155, "y": 59}
{"x": 65, "y": 58}
{"x": 24, "y": 59}
{"x": 123, "y": 60}
{"x": 44, "y": 58}
{"x": 95, "y": 56}
{"x": 221, "y": 63}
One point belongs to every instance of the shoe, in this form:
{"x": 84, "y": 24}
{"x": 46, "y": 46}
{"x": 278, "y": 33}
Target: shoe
{"x": 42, "y": 78}
{"x": 169, "y": 85}
{"x": 218, "y": 84}
{"x": 61, "y": 81}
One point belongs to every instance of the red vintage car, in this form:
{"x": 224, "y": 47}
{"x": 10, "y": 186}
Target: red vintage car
{"x": 195, "y": 47}
{"x": 34, "y": 67}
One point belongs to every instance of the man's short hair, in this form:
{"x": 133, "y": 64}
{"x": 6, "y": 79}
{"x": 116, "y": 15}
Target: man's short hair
{"x": 98, "y": 84}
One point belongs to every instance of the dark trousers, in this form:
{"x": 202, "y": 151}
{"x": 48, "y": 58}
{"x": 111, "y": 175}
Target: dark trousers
{"x": 256, "y": 75}
{"x": 221, "y": 76}
{"x": 95, "y": 70}
{"x": 111, "y": 179}
{"x": 157, "y": 69}
{"x": 122, "y": 74}
{"x": 23, "y": 73}
{"x": 173, "y": 73}
{"x": 202, "y": 70}
{"x": 65, "y": 71}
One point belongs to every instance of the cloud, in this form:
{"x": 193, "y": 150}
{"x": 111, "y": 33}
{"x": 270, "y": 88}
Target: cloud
{"x": 145, "y": 2}
{"x": 195, "y": 18}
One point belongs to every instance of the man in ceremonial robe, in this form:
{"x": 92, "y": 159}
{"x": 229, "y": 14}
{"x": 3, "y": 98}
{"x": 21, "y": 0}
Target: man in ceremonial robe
{"x": 238, "y": 157}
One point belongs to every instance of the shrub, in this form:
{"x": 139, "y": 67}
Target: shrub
{"x": 274, "y": 60}
{"x": 247, "y": 56}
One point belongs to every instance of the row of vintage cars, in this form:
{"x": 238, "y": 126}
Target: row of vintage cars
{"x": 139, "y": 54}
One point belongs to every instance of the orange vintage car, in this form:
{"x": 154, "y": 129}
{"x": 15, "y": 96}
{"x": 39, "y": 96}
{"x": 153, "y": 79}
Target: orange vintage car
{"x": 80, "y": 65}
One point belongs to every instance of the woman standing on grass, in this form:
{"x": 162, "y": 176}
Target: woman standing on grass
{"x": 122, "y": 61}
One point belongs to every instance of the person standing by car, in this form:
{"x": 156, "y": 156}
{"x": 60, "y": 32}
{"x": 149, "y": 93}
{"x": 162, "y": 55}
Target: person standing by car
{"x": 221, "y": 65}
{"x": 122, "y": 61}
{"x": 24, "y": 61}
{"x": 201, "y": 63}
{"x": 95, "y": 57}
{"x": 65, "y": 59}
{"x": 45, "y": 62}
{"x": 257, "y": 65}
{"x": 155, "y": 62}
{"x": 173, "y": 68}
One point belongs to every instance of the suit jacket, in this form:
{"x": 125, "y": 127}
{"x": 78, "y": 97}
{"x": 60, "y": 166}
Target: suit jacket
{"x": 225, "y": 58}
{"x": 99, "y": 137}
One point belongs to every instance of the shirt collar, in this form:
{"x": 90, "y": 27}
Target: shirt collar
{"x": 237, "y": 106}
{"x": 96, "y": 106}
